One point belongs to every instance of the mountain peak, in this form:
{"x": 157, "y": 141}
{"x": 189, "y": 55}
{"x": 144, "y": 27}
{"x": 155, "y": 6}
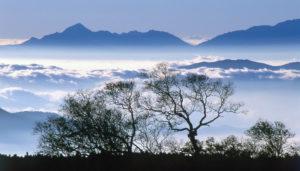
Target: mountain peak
{"x": 77, "y": 28}
{"x": 79, "y": 35}
{"x": 283, "y": 33}
{"x": 289, "y": 22}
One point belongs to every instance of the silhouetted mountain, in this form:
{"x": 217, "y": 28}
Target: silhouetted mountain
{"x": 79, "y": 35}
{"x": 293, "y": 65}
{"x": 16, "y": 130}
{"x": 21, "y": 120}
{"x": 240, "y": 64}
{"x": 284, "y": 33}
{"x": 3, "y": 112}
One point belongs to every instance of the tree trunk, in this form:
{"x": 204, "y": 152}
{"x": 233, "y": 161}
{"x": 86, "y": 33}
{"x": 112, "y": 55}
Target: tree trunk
{"x": 192, "y": 136}
{"x": 133, "y": 124}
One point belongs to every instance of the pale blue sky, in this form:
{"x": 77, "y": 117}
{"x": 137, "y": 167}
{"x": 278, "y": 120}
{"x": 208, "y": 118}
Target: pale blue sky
{"x": 203, "y": 18}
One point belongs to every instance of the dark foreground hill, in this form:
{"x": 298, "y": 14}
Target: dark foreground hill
{"x": 143, "y": 162}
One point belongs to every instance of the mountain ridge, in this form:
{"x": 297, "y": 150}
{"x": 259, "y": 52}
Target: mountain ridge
{"x": 79, "y": 35}
{"x": 283, "y": 33}
{"x": 17, "y": 130}
{"x": 241, "y": 64}
{"x": 23, "y": 115}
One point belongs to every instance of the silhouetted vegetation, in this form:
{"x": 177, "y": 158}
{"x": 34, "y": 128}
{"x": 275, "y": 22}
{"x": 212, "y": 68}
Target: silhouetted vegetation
{"x": 128, "y": 125}
{"x": 121, "y": 118}
{"x": 188, "y": 103}
{"x": 146, "y": 162}
{"x": 271, "y": 139}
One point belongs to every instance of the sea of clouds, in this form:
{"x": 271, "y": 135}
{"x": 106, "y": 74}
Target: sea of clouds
{"x": 39, "y": 87}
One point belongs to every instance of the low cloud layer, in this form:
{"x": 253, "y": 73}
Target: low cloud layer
{"x": 38, "y": 87}
{"x": 247, "y": 74}
{"x": 4, "y": 42}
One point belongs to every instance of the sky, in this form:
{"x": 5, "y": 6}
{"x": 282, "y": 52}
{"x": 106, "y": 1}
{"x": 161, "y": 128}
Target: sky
{"x": 188, "y": 18}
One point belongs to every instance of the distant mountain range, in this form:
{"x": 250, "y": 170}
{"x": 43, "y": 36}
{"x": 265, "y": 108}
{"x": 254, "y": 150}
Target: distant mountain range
{"x": 284, "y": 33}
{"x": 79, "y": 35}
{"x": 21, "y": 120}
{"x": 16, "y": 130}
{"x": 240, "y": 64}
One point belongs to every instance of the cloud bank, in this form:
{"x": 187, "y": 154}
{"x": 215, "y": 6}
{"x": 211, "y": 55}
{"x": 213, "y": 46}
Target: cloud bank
{"x": 4, "y": 42}
{"x": 38, "y": 87}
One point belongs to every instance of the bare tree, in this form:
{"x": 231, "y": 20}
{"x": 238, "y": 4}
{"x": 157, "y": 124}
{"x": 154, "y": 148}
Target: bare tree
{"x": 108, "y": 120}
{"x": 145, "y": 133}
{"x": 154, "y": 137}
{"x": 124, "y": 97}
{"x": 187, "y": 103}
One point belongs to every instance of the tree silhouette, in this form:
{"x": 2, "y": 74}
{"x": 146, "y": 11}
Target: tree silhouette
{"x": 123, "y": 117}
{"x": 124, "y": 97}
{"x": 145, "y": 133}
{"x": 109, "y": 120}
{"x": 87, "y": 127}
{"x": 272, "y": 138}
{"x": 187, "y": 103}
